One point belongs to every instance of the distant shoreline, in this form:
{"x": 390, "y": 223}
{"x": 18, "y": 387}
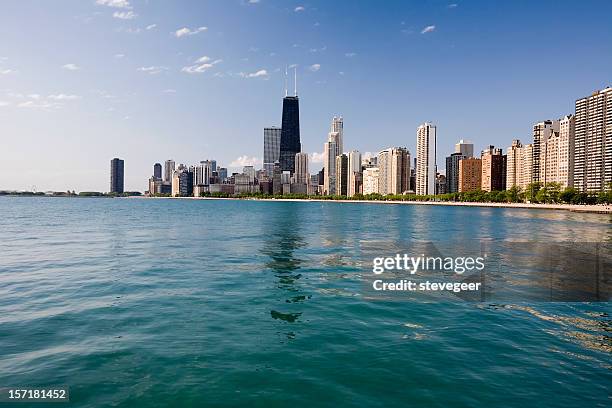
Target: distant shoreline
{"x": 595, "y": 209}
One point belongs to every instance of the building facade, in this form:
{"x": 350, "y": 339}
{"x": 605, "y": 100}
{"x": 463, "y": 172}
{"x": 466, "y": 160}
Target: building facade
{"x": 272, "y": 137}
{"x": 342, "y": 175}
{"x": 329, "y": 165}
{"x": 301, "y": 175}
{"x": 426, "y": 160}
{"x": 493, "y": 164}
{"x": 465, "y": 147}
{"x": 354, "y": 173}
{"x": 452, "y": 171}
{"x": 470, "y": 174}
{"x": 116, "y": 176}
{"x": 169, "y": 167}
{"x": 593, "y": 142}
{"x": 370, "y": 180}
{"x": 290, "y": 133}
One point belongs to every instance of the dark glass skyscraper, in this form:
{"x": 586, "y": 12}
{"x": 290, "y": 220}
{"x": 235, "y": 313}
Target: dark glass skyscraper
{"x": 157, "y": 171}
{"x": 290, "y": 133}
{"x": 116, "y": 176}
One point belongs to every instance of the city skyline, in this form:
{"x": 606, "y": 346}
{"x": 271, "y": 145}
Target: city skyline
{"x": 84, "y": 84}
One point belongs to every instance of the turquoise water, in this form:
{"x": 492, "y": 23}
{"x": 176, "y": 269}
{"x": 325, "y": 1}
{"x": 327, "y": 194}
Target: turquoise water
{"x": 180, "y": 303}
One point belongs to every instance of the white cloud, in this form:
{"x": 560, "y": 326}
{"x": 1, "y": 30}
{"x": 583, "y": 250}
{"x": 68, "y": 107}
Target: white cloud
{"x": 453, "y": 5}
{"x": 125, "y": 15}
{"x": 6, "y": 71}
{"x": 151, "y": 26}
{"x": 428, "y": 29}
{"x": 4, "y": 103}
{"x": 71, "y": 67}
{"x": 341, "y": 72}
{"x": 262, "y": 73}
{"x": 37, "y": 105}
{"x": 115, "y": 3}
{"x": 64, "y": 97}
{"x": 350, "y": 54}
{"x": 318, "y": 49}
{"x": 201, "y": 65}
{"x": 169, "y": 91}
{"x": 314, "y": 67}
{"x": 316, "y": 157}
{"x": 299, "y": 8}
{"x": 181, "y": 32}
{"x": 253, "y": 1}
{"x": 119, "y": 55}
{"x": 153, "y": 69}
{"x": 246, "y": 161}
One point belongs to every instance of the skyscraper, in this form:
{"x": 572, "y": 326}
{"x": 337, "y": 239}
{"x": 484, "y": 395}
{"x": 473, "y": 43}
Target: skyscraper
{"x": 541, "y": 132}
{"x": 116, "y": 176}
{"x": 370, "y": 180}
{"x": 493, "y": 164}
{"x": 465, "y": 147}
{"x": 329, "y": 165}
{"x": 169, "y": 170}
{"x": 157, "y": 170}
{"x": 272, "y": 137}
{"x": 452, "y": 171}
{"x": 202, "y": 173}
{"x": 513, "y": 164}
{"x": 354, "y": 173}
{"x": 342, "y": 174}
{"x": 301, "y": 175}
{"x": 394, "y": 171}
{"x": 593, "y": 142}
{"x": 426, "y": 160}
{"x": 337, "y": 126}
{"x": 470, "y": 174}
{"x": 290, "y": 133}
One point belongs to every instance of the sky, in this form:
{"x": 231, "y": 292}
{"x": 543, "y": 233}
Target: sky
{"x": 84, "y": 81}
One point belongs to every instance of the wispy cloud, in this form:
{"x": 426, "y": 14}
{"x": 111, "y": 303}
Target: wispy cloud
{"x": 299, "y": 8}
{"x": 6, "y": 71}
{"x": 153, "y": 69}
{"x": 151, "y": 26}
{"x": 115, "y": 3}
{"x": 262, "y": 73}
{"x": 323, "y": 48}
{"x": 71, "y": 67}
{"x": 182, "y": 32}
{"x": 314, "y": 67}
{"x": 201, "y": 65}
{"x": 119, "y": 55}
{"x": 4, "y": 103}
{"x": 64, "y": 97}
{"x": 125, "y": 15}
{"x": 316, "y": 157}
{"x": 452, "y": 5}
{"x": 253, "y": 1}
{"x": 350, "y": 54}
{"x": 246, "y": 161}
{"x": 428, "y": 29}
{"x": 169, "y": 91}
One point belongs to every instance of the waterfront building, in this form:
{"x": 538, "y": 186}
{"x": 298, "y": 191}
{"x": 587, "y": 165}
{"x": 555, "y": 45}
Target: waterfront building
{"x": 157, "y": 171}
{"x": 354, "y": 173}
{"x": 250, "y": 172}
{"x": 370, "y": 180}
{"x": 277, "y": 187}
{"x": 290, "y": 133}
{"x": 301, "y": 175}
{"x": 593, "y": 142}
{"x": 329, "y": 164}
{"x": 394, "y": 171}
{"x": 116, "y": 176}
{"x": 155, "y": 185}
{"x": 337, "y": 126}
{"x": 169, "y": 167}
{"x": 493, "y": 165}
{"x": 371, "y": 161}
{"x": 222, "y": 172}
{"x": 272, "y": 137}
{"x": 513, "y": 164}
{"x": 470, "y": 174}
{"x": 426, "y": 160}
{"x": 182, "y": 183}
{"x": 452, "y": 169}
{"x": 342, "y": 174}
{"x": 541, "y": 132}
{"x": 202, "y": 173}
{"x": 465, "y": 147}
{"x": 440, "y": 184}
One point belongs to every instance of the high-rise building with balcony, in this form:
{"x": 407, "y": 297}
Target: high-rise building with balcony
{"x": 426, "y": 160}
{"x": 493, "y": 164}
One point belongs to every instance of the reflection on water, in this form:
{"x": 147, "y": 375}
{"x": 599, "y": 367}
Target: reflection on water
{"x": 281, "y": 241}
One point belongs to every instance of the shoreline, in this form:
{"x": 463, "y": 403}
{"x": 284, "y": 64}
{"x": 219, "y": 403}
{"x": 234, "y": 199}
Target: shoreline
{"x": 593, "y": 209}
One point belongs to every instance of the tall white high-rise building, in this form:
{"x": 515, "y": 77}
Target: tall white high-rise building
{"x": 354, "y": 172}
{"x": 202, "y": 173}
{"x": 426, "y": 160}
{"x": 169, "y": 167}
{"x": 337, "y": 126}
{"x": 593, "y": 142}
{"x": 272, "y": 136}
{"x": 329, "y": 164}
{"x": 465, "y": 147}
{"x": 301, "y": 175}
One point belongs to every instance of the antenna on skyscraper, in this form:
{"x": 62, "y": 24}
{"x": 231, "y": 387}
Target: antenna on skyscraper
{"x": 295, "y": 72}
{"x": 286, "y": 92}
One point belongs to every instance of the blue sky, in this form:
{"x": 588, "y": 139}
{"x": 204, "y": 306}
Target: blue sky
{"x": 84, "y": 81}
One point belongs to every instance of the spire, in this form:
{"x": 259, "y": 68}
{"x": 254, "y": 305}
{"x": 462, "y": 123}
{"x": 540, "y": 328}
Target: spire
{"x": 286, "y": 92}
{"x": 295, "y": 72}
